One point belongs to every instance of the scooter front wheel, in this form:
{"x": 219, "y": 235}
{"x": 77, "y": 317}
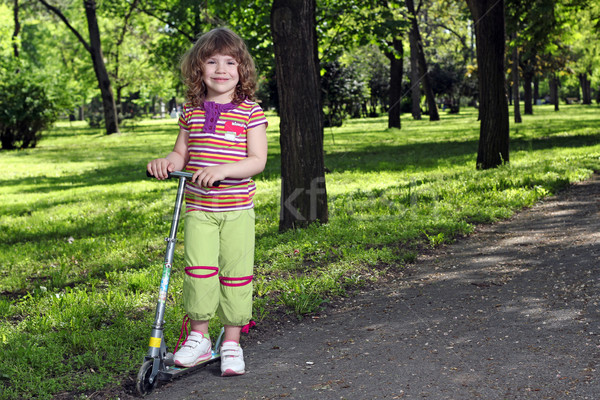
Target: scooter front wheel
{"x": 143, "y": 385}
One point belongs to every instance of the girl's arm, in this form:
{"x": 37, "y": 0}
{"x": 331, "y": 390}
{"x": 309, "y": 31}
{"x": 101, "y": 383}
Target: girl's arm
{"x": 174, "y": 161}
{"x": 249, "y": 166}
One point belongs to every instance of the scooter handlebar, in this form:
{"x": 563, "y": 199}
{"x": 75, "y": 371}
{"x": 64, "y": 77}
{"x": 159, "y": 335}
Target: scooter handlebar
{"x": 181, "y": 174}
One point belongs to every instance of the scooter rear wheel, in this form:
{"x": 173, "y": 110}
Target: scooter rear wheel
{"x": 143, "y": 385}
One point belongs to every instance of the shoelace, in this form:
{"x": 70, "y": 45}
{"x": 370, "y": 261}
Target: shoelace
{"x": 184, "y": 325}
{"x": 184, "y": 328}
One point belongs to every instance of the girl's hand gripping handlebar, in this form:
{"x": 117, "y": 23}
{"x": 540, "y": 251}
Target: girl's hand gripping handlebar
{"x": 181, "y": 174}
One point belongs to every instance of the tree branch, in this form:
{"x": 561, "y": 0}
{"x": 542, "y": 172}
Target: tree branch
{"x": 132, "y": 7}
{"x": 60, "y": 15}
{"x": 462, "y": 39}
{"x": 191, "y": 38}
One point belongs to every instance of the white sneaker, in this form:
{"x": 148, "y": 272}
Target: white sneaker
{"x": 194, "y": 350}
{"x": 232, "y": 359}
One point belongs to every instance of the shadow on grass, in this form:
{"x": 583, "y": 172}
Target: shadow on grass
{"x": 432, "y": 155}
{"x": 375, "y": 158}
{"x": 105, "y": 223}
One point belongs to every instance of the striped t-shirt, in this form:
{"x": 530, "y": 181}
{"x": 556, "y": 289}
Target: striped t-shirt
{"x": 218, "y": 135}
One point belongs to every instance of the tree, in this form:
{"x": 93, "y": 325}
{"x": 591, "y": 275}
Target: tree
{"x": 416, "y": 45}
{"x": 586, "y": 50}
{"x": 348, "y": 24}
{"x": 515, "y": 83}
{"x": 127, "y": 16}
{"x": 129, "y": 42}
{"x": 490, "y": 38}
{"x": 390, "y": 38}
{"x": 544, "y": 32}
{"x": 530, "y": 25}
{"x": 516, "y": 18}
{"x": 303, "y": 193}
{"x": 94, "y": 48}
{"x": 450, "y": 51}
{"x": 28, "y": 107}
{"x": 344, "y": 91}
{"x": 415, "y": 87}
{"x": 370, "y": 68}
{"x": 395, "y": 55}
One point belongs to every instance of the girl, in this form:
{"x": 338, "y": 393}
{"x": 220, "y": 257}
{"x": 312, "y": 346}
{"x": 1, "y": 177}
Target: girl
{"x": 222, "y": 138}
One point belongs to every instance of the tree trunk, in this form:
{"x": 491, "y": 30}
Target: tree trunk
{"x": 551, "y": 90}
{"x": 108, "y": 100}
{"x": 433, "y": 111}
{"x": 396, "y": 61}
{"x": 303, "y": 193}
{"x": 17, "y": 28}
{"x": 586, "y": 89}
{"x": 415, "y": 86}
{"x": 528, "y": 100}
{"x": 490, "y": 37}
{"x": 554, "y": 91}
{"x": 95, "y": 50}
{"x": 536, "y": 88}
{"x": 515, "y": 76}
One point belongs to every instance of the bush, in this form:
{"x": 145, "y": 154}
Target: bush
{"x": 345, "y": 92}
{"x": 95, "y": 114}
{"x": 25, "y": 111}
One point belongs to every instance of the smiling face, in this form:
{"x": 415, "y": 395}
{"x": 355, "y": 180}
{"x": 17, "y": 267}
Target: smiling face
{"x": 220, "y": 76}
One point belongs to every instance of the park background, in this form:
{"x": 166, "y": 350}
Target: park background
{"x": 391, "y": 112}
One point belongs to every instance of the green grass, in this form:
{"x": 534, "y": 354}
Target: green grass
{"x": 82, "y": 231}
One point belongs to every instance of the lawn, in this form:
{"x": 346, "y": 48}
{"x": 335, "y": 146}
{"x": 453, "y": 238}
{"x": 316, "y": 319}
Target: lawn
{"x": 82, "y": 229}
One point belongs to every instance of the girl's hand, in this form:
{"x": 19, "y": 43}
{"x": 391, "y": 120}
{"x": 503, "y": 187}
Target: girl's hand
{"x": 160, "y": 168}
{"x": 208, "y": 176}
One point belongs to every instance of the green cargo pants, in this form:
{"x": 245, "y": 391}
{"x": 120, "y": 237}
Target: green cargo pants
{"x": 219, "y": 259}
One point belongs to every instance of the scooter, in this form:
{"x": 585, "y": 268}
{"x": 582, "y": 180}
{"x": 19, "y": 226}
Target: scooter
{"x": 158, "y": 363}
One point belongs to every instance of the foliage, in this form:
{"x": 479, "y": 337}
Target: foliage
{"x": 52, "y": 65}
{"x": 142, "y": 48}
{"x": 131, "y": 60}
{"x": 446, "y": 83}
{"x": 26, "y": 109}
{"x": 586, "y": 45}
{"x": 95, "y": 113}
{"x": 450, "y": 49}
{"x": 345, "y": 92}
{"x": 81, "y": 230}
{"x": 183, "y": 20}
{"x": 353, "y": 37}
{"x": 349, "y": 24}
{"x": 127, "y": 44}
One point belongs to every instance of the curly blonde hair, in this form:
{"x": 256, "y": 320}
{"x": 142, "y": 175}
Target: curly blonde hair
{"x": 218, "y": 41}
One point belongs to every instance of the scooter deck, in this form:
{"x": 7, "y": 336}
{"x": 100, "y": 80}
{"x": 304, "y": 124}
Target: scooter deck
{"x": 172, "y": 371}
